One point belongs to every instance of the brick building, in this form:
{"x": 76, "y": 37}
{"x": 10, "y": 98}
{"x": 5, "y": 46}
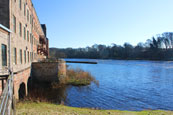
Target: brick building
{"x": 23, "y": 40}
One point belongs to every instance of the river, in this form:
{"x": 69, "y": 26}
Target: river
{"x": 125, "y": 85}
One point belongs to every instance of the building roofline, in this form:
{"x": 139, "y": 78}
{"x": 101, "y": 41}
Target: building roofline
{"x": 36, "y": 15}
{"x": 5, "y": 28}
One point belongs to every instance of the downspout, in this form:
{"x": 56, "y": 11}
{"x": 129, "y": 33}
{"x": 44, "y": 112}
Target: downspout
{"x": 9, "y": 38}
{"x": 9, "y": 52}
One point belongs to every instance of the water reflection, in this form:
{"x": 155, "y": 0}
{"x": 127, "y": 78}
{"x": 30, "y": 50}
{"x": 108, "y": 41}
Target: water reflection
{"x": 48, "y": 92}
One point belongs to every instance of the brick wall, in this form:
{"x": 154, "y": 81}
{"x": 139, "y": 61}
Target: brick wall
{"x": 4, "y": 37}
{"x": 9, "y": 9}
{"x": 19, "y": 78}
{"x": 17, "y": 40}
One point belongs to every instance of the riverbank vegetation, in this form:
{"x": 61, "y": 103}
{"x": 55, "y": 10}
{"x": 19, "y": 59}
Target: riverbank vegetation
{"x": 38, "y": 91}
{"x": 78, "y": 77}
{"x": 156, "y": 48}
{"x": 33, "y": 108}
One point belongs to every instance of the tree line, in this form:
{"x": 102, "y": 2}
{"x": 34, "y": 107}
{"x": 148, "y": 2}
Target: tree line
{"x": 156, "y": 48}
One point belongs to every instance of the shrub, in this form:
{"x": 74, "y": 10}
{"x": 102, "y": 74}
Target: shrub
{"x": 78, "y": 77}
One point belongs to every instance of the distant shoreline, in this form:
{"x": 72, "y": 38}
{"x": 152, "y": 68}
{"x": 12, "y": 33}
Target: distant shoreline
{"x": 120, "y": 59}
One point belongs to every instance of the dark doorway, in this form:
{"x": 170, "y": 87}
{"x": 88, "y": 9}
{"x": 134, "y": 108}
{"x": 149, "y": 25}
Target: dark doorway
{"x": 22, "y": 91}
{"x": 29, "y": 85}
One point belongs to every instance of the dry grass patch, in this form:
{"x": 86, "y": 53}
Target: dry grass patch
{"x": 79, "y": 77}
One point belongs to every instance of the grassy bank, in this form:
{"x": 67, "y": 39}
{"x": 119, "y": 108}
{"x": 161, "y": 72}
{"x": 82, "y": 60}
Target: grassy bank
{"x": 32, "y": 108}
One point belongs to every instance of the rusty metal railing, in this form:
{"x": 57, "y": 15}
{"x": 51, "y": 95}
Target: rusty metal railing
{"x": 6, "y": 99}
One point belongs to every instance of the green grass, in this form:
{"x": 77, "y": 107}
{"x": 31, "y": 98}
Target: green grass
{"x": 32, "y": 108}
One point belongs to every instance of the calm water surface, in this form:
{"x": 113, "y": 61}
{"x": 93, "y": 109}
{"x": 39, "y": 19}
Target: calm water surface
{"x": 125, "y": 85}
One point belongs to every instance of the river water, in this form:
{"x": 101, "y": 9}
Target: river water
{"x": 124, "y": 85}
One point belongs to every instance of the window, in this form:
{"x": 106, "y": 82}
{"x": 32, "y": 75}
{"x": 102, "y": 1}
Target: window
{"x": 28, "y": 15}
{"x": 20, "y": 4}
{"x": 14, "y": 23}
{"x": 15, "y": 56}
{"x": 32, "y": 22}
{"x": 21, "y": 56}
{"x": 32, "y": 40}
{"x": 4, "y": 55}
{"x": 30, "y": 19}
{"x": 28, "y": 36}
{"x": 35, "y": 55}
{"x": 28, "y": 56}
{"x": 20, "y": 29}
{"x": 34, "y": 25}
{"x": 24, "y": 33}
{"x": 32, "y": 56}
{"x": 25, "y": 56}
{"x": 24, "y": 9}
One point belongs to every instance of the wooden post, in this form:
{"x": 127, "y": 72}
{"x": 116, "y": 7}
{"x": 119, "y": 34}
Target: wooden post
{"x": 2, "y": 84}
{"x": 14, "y": 105}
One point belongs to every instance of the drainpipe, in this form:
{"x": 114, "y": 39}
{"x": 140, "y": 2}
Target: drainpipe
{"x": 9, "y": 52}
{"x": 9, "y": 38}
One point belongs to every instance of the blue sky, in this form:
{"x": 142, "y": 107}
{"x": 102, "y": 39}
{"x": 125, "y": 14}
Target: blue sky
{"x": 81, "y": 23}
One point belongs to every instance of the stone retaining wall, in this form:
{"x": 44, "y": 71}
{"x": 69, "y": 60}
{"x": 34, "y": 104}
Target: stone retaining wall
{"x": 48, "y": 71}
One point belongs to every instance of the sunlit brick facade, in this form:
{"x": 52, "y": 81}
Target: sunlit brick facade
{"x": 26, "y": 42}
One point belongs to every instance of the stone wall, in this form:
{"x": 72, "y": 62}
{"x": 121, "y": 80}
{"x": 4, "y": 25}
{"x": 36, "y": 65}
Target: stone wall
{"x": 48, "y": 71}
